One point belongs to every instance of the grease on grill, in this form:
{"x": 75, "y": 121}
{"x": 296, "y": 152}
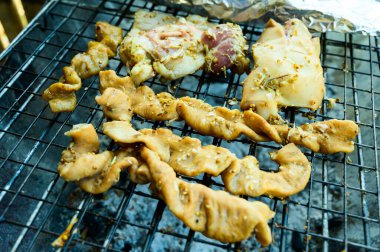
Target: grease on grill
{"x": 61, "y": 240}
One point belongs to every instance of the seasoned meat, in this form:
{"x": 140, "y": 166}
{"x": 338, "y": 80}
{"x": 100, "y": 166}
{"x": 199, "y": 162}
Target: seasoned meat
{"x": 94, "y": 172}
{"x": 61, "y": 95}
{"x": 287, "y": 71}
{"x": 142, "y": 100}
{"x": 154, "y": 156}
{"x": 225, "y": 48}
{"x": 326, "y": 137}
{"x": 109, "y": 175}
{"x": 244, "y": 177}
{"x": 216, "y": 214}
{"x": 116, "y": 104}
{"x": 175, "y": 47}
{"x": 216, "y": 121}
{"x": 108, "y": 35}
{"x": 188, "y": 157}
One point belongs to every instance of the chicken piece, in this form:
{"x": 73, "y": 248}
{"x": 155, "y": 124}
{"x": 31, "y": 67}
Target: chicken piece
{"x": 174, "y": 46}
{"x": 190, "y": 158}
{"x": 186, "y": 155}
{"x": 216, "y": 214}
{"x": 215, "y": 121}
{"x": 61, "y": 95}
{"x": 244, "y": 177}
{"x": 94, "y": 173}
{"x": 261, "y": 126}
{"x": 139, "y": 173}
{"x": 225, "y": 48}
{"x": 326, "y": 137}
{"x": 161, "y": 107}
{"x": 287, "y": 71}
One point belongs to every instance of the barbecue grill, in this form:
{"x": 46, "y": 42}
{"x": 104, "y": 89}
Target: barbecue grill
{"x": 339, "y": 209}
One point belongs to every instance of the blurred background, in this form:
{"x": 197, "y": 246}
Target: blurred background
{"x": 14, "y": 16}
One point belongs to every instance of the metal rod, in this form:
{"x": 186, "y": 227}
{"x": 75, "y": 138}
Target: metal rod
{"x": 16, "y": 62}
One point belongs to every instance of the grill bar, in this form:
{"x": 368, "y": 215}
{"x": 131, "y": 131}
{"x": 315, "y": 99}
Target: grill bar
{"x": 37, "y": 117}
{"x": 339, "y": 210}
{"x": 360, "y": 152}
{"x": 374, "y": 124}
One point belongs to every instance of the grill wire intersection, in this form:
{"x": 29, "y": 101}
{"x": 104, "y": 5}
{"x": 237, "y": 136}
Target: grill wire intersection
{"x": 338, "y": 210}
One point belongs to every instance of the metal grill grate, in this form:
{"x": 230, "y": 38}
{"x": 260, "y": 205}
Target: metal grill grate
{"x": 339, "y": 210}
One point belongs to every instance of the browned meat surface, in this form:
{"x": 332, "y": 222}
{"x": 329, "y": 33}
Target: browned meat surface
{"x": 61, "y": 95}
{"x": 142, "y": 100}
{"x": 216, "y": 121}
{"x": 216, "y": 214}
{"x": 94, "y": 172}
{"x": 175, "y": 46}
{"x": 116, "y": 104}
{"x": 326, "y": 137}
{"x": 287, "y": 71}
{"x": 188, "y": 157}
{"x": 244, "y": 177}
{"x": 225, "y": 48}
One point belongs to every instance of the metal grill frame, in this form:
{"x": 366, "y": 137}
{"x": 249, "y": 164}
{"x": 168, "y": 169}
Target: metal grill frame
{"x": 49, "y": 201}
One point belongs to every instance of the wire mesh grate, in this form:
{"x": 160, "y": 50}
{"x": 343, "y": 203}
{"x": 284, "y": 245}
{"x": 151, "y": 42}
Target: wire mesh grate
{"x": 339, "y": 210}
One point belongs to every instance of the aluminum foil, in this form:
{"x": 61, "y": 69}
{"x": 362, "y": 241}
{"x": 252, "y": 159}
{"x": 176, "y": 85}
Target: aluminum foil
{"x": 355, "y": 16}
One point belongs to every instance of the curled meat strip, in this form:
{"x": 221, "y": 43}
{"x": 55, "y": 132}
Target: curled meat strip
{"x": 61, "y": 95}
{"x": 142, "y": 100}
{"x": 94, "y": 172}
{"x": 327, "y": 137}
{"x": 244, "y": 176}
{"x": 215, "y": 121}
{"x": 188, "y": 157}
{"x": 216, "y": 214}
